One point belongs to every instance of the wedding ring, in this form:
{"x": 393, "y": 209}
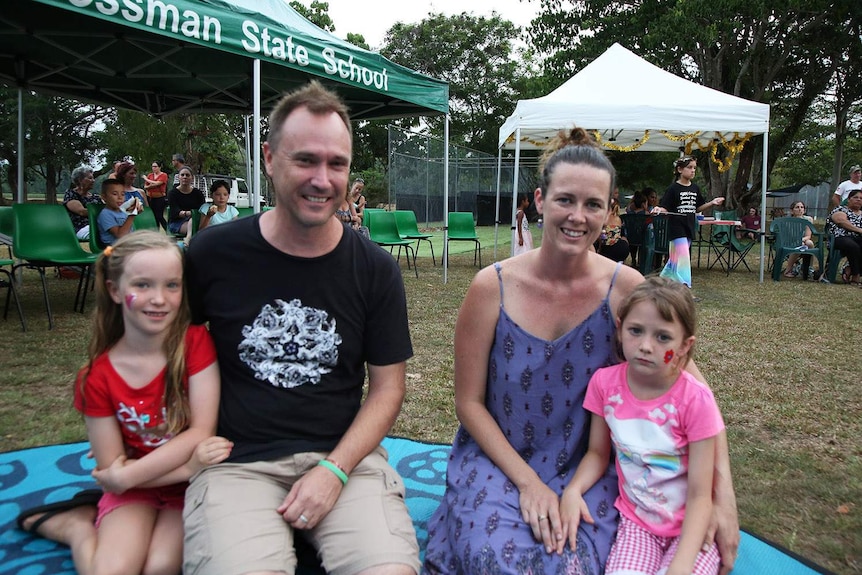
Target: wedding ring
{"x": 303, "y": 518}
{"x": 542, "y": 517}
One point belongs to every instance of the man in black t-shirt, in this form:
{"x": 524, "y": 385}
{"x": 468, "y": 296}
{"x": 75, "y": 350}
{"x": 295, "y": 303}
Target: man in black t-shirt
{"x": 299, "y": 308}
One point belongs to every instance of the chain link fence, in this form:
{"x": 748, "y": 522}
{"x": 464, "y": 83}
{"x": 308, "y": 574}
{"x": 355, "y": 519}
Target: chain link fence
{"x": 416, "y": 162}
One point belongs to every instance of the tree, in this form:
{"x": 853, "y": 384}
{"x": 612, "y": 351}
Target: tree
{"x": 317, "y": 13}
{"x": 782, "y": 52}
{"x": 476, "y": 56}
{"x": 60, "y": 134}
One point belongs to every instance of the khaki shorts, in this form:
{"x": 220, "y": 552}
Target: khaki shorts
{"x": 231, "y": 526}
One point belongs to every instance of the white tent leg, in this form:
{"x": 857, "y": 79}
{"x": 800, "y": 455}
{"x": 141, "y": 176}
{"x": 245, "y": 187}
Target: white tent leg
{"x": 446, "y": 200}
{"x": 497, "y": 203}
{"x": 515, "y": 184}
{"x": 20, "y": 145}
{"x": 763, "y": 204}
{"x": 255, "y": 194}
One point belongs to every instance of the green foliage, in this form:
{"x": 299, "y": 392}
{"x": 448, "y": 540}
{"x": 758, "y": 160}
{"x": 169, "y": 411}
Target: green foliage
{"x": 476, "y": 56}
{"x": 211, "y": 143}
{"x": 785, "y": 53}
{"x": 317, "y": 13}
{"x": 59, "y": 134}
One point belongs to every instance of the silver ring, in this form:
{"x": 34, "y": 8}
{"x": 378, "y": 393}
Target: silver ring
{"x": 542, "y": 517}
{"x": 303, "y": 518}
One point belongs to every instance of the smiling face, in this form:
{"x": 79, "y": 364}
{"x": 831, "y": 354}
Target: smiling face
{"x": 310, "y": 167}
{"x": 150, "y": 291}
{"x": 574, "y": 207}
{"x": 653, "y": 346}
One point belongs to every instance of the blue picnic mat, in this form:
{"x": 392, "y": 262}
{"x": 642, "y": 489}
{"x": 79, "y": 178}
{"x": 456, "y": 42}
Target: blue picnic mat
{"x": 41, "y": 475}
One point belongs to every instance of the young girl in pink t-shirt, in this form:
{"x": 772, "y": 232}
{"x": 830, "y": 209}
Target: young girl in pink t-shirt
{"x": 662, "y": 423}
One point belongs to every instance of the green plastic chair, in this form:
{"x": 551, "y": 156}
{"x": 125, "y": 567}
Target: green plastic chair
{"x": 93, "y": 211}
{"x": 11, "y": 290}
{"x": 462, "y": 228}
{"x": 833, "y": 259}
{"x": 408, "y": 229}
{"x": 146, "y": 220}
{"x": 657, "y": 242}
{"x": 788, "y": 236}
{"x": 7, "y": 226}
{"x": 635, "y": 231}
{"x": 384, "y": 232}
{"x": 243, "y": 212}
{"x": 43, "y": 238}
{"x": 366, "y": 216}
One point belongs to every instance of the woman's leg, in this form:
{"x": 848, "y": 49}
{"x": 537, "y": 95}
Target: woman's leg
{"x": 852, "y": 250}
{"x": 791, "y": 261}
{"x": 165, "y": 555}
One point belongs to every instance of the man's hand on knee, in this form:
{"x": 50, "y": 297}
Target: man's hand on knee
{"x": 311, "y": 498}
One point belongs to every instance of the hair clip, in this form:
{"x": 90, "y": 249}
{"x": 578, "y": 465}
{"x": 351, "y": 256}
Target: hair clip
{"x": 108, "y": 251}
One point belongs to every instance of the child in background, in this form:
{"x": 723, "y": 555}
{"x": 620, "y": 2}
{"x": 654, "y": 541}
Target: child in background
{"x": 218, "y": 212}
{"x": 149, "y": 395}
{"x": 662, "y": 423}
{"x": 522, "y": 239}
{"x": 113, "y": 221}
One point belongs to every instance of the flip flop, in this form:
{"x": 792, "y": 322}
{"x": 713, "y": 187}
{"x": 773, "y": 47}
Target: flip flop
{"x": 80, "y": 499}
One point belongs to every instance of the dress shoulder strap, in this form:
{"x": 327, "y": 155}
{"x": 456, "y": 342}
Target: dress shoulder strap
{"x": 500, "y": 281}
{"x": 613, "y": 280}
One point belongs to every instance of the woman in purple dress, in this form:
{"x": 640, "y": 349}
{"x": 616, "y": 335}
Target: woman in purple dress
{"x": 528, "y": 337}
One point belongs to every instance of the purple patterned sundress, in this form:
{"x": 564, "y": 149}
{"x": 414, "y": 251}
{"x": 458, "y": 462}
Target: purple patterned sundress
{"x": 535, "y": 393}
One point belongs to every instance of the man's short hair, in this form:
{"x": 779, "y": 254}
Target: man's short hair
{"x": 179, "y": 158}
{"x": 108, "y": 182}
{"x": 313, "y": 96}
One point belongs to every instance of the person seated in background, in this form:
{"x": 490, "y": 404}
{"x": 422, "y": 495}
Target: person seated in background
{"x": 113, "y": 174}
{"x": 651, "y": 197}
{"x": 113, "y": 221}
{"x": 750, "y": 225}
{"x": 845, "y": 225}
{"x": 612, "y": 244}
{"x": 183, "y": 199}
{"x": 638, "y": 205}
{"x": 797, "y": 210}
{"x": 358, "y": 199}
{"x": 126, "y": 173}
{"x": 218, "y": 212}
{"x": 78, "y": 197}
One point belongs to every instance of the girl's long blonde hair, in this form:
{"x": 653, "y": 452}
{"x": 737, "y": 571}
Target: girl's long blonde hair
{"x": 108, "y": 326}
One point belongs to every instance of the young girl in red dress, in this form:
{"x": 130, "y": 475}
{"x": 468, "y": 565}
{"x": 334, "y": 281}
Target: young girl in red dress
{"x": 149, "y": 395}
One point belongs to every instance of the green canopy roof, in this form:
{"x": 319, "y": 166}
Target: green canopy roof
{"x": 170, "y": 56}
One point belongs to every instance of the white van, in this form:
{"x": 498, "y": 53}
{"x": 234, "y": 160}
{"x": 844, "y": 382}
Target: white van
{"x": 239, "y": 193}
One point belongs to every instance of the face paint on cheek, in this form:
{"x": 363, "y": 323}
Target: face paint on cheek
{"x": 130, "y": 299}
{"x": 668, "y": 356}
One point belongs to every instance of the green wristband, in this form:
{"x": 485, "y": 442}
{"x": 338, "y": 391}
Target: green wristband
{"x": 334, "y": 468}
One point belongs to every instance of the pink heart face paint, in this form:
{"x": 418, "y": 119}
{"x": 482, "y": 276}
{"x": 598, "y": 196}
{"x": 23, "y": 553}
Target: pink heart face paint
{"x": 668, "y": 356}
{"x": 131, "y": 297}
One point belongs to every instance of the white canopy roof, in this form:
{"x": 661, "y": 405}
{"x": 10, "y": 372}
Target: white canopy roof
{"x": 626, "y": 99}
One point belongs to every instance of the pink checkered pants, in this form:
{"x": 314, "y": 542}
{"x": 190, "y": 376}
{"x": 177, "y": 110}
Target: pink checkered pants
{"x": 636, "y": 551}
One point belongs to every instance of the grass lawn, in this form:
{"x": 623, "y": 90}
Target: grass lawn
{"x": 780, "y": 356}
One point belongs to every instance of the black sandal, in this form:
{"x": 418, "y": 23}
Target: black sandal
{"x": 49, "y": 510}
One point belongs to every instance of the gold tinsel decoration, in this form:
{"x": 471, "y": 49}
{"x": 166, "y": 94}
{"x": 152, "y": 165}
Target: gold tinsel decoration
{"x": 612, "y": 146}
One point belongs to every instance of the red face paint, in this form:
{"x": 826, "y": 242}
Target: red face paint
{"x": 668, "y": 356}
{"x": 130, "y": 299}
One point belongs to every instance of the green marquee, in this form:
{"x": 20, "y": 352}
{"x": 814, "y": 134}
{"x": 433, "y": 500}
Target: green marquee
{"x": 171, "y": 56}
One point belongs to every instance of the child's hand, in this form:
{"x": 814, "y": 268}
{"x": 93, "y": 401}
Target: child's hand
{"x": 213, "y": 209}
{"x": 573, "y": 508}
{"x": 210, "y": 451}
{"x": 110, "y": 478}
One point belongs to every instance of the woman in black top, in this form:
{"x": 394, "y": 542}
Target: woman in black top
{"x": 682, "y": 197}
